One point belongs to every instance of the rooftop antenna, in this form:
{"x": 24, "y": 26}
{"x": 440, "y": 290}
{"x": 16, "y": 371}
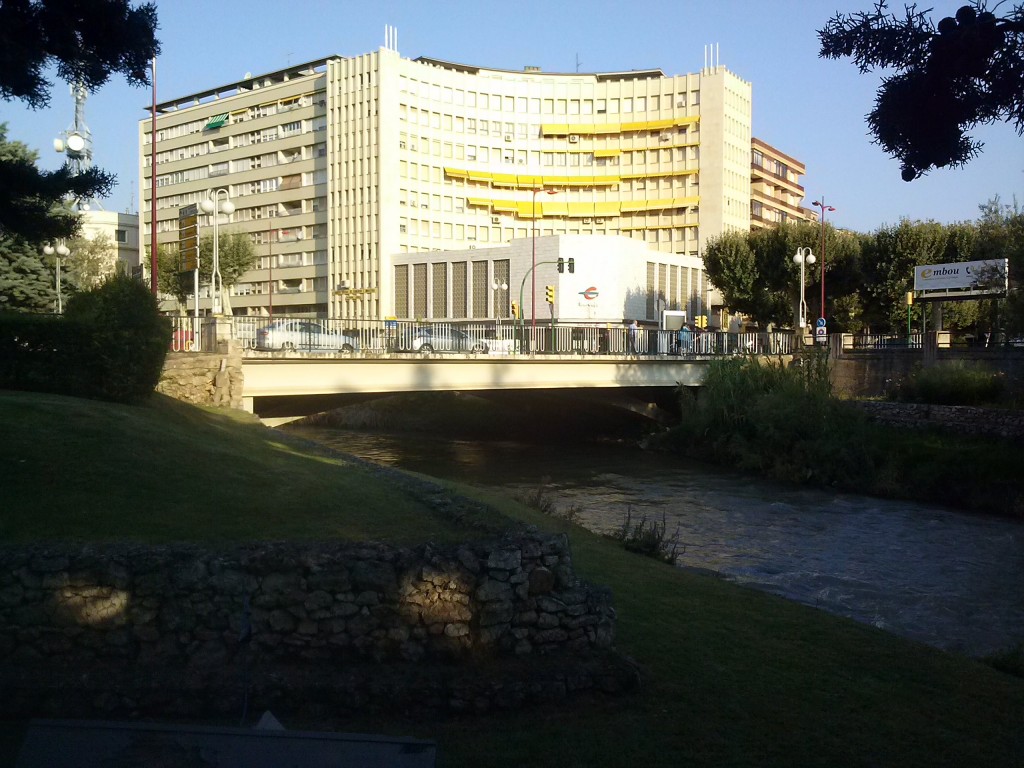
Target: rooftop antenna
{"x": 76, "y": 143}
{"x": 390, "y": 37}
{"x": 578, "y": 62}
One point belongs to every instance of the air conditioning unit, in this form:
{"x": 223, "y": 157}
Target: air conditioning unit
{"x": 664, "y": 137}
{"x": 343, "y": 285}
{"x": 508, "y": 137}
{"x": 574, "y": 138}
{"x": 495, "y": 220}
{"x": 680, "y": 103}
{"x": 599, "y": 221}
{"x": 472, "y": 247}
{"x": 586, "y": 221}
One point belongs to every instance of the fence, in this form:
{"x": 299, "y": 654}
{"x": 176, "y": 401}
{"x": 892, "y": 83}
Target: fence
{"x": 346, "y": 336}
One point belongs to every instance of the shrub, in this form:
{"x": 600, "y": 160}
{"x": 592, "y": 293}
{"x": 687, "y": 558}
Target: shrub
{"x": 954, "y": 383}
{"x": 109, "y": 345}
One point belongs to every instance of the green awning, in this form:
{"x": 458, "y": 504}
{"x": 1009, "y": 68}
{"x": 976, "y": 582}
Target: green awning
{"x": 216, "y": 122}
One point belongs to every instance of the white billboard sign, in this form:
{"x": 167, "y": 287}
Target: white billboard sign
{"x": 974, "y": 276}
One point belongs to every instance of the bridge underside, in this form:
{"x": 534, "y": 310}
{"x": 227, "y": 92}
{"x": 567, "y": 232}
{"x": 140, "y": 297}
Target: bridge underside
{"x": 281, "y": 390}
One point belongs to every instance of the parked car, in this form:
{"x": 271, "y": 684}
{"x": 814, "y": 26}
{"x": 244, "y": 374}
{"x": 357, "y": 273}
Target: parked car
{"x": 304, "y": 335}
{"x": 428, "y": 340}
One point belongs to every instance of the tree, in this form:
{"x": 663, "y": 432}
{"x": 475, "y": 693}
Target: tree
{"x": 757, "y": 276}
{"x": 966, "y": 71}
{"x": 1001, "y": 236}
{"x": 236, "y": 254}
{"x": 91, "y": 260}
{"x": 27, "y": 282}
{"x": 86, "y": 42}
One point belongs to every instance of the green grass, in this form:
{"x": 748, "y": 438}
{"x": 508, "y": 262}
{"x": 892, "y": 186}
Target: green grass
{"x": 732, "y": 677}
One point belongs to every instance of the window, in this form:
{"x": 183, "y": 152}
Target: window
{"x": 121, "y": 235}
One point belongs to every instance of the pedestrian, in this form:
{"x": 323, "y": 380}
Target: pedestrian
{"x": 685, "y": 339}
{"x": 634, "y": 333}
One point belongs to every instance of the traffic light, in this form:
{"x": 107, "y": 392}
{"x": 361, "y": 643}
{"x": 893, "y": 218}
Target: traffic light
{"x": 572, "y": 266}
{"x": 549, "y": 294}
{"x": 515, "y": 309}
{"x": 571, "y": 263}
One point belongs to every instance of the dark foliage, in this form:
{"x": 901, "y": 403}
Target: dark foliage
{"x": 110, "y": 345}
{"x": 966, "y": 71}
{"x": 86, "y": 41}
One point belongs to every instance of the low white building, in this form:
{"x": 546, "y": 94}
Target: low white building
{"x": 122, "y": 229}
{"x": 614, "y": 279}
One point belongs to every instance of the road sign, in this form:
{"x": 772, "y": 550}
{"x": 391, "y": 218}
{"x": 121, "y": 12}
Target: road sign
{"x": 820, "y": 323}
{"x": 821, "y": 331}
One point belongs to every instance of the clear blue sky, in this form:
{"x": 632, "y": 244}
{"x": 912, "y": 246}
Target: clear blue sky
{"x": 808, "y": 107}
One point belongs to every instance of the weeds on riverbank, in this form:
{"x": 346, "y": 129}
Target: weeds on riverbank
{"x": 781, "y": 421}
{"x": 540, "y": 498}
{"x": 650, "y": 538}
{"x": 954, "y": 383}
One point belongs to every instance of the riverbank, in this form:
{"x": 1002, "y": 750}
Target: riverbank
{"x": 730, "y": 676}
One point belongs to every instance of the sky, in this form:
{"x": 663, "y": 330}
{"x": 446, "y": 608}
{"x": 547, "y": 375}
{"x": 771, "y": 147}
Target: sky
{"x": 809, "y": 108}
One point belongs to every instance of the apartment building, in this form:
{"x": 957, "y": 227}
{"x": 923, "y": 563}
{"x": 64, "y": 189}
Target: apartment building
{"x": 775, "y": 190}
{"x": 337, "y": 165}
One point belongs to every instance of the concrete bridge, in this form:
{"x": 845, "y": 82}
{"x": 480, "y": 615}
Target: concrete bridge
{"x": 278, "y": 389}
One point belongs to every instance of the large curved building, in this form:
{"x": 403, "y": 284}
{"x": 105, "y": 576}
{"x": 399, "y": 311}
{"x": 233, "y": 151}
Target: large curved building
{"x": 336, "y": 165}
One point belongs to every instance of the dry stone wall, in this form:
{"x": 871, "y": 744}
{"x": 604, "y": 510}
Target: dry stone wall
{"x": 960, "y": 419}
{"x": 126, "y": 629}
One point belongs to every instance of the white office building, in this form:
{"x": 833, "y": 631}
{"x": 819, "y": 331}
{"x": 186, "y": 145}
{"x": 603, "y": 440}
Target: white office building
{"x": 342, "y": 169}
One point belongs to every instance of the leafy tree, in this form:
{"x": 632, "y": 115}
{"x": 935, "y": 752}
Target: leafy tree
{"x": 91, "y": 260}
{"x": 27, "y": 282}
{"x": 966, "y": 71}
{"x": 236, "y": 254}
{"x": 86, "y": 42}
{"x": 889, "y": 258}
{"x": 757, "y": 276}
{"x": 1001, "y": 236}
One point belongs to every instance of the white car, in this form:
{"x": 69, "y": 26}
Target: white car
{"x": 429, "y": 340}
{"x": 302, "y": 335}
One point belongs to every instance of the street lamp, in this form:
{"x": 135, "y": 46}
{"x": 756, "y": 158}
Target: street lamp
{"x": 59, "y": 251}
{"x": 498, "y": 285}
{"x": 803, "y": 257}
{"x": 821, "y": 204}
{"x": 214, "y": 206}
{"x": 533, "y": 289}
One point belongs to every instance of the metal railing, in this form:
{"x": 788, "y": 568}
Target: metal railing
{"x": 264, "y": 335}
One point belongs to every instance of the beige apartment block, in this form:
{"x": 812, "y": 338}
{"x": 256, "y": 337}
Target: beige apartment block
{"x": 121, "y": 230}
{"x": 337, "y": 165}
{"x": 776, "y": 194}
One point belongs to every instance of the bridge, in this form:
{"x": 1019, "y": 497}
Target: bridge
{"x": 294, "y": 367}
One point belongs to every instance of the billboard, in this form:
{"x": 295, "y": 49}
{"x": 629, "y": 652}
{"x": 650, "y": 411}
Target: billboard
{"x": 972, "y": 278}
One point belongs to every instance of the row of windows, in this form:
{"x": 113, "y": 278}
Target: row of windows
{"x": 481, "y": 234}
{"x": 549, "y": 105}
{"x": 771, "y": 165}
{"x": 458, "y": 290}
{"x": 511, "y": 156}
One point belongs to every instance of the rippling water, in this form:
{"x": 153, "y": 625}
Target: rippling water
{"x": 950, "y": 579}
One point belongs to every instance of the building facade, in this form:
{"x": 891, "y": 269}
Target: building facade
{"x": 337, "y": 165}
{"x": 776, "y": 194}
{"x": 122, "y": 230}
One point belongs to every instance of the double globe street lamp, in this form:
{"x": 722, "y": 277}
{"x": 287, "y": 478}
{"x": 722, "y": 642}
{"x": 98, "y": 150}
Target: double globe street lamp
{"x": 804, "y": 257}
{"x": 215, "y": 206}
{"x": 61, "y": 251}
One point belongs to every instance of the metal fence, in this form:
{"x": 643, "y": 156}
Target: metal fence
{"x": 503, "y": 338}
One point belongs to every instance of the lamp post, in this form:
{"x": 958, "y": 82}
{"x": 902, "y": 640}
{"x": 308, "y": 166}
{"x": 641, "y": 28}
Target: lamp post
{"x": 60, "y": 250}
{"x": 214, "y": 206}
{"x": 533, "y": 289}
{"x": 498, "y": 285}
{"x": 821, "y": 204}
{"x": 803, "y": 257}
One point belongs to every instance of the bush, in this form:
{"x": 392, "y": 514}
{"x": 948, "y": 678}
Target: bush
{"x": 129, "y": 339}
{"x": 110, "y": 345}
{"x": 954, "y": 383}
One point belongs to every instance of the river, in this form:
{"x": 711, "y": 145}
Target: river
{"x": 950, "y": 579}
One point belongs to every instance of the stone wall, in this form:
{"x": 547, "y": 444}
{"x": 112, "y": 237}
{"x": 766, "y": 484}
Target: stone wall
{"x": 960, "y": 419}
{"x": 173, "y": 630}
{"x": 204, "y": 378}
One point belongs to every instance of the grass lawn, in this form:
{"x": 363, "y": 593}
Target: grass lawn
{"x": 732, "y": 676}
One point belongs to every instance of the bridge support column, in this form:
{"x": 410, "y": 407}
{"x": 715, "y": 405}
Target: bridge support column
{"x": 248, "y": 405}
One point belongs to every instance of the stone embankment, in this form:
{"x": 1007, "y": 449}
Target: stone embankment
{"x": 121, "y": 630}
{"x": 960, "y": 419}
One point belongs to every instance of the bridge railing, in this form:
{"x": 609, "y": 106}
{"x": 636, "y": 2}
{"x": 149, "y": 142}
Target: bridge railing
{"x": 495, "y": 338}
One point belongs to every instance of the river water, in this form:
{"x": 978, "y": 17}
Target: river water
{"x": 950, "y": 579}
